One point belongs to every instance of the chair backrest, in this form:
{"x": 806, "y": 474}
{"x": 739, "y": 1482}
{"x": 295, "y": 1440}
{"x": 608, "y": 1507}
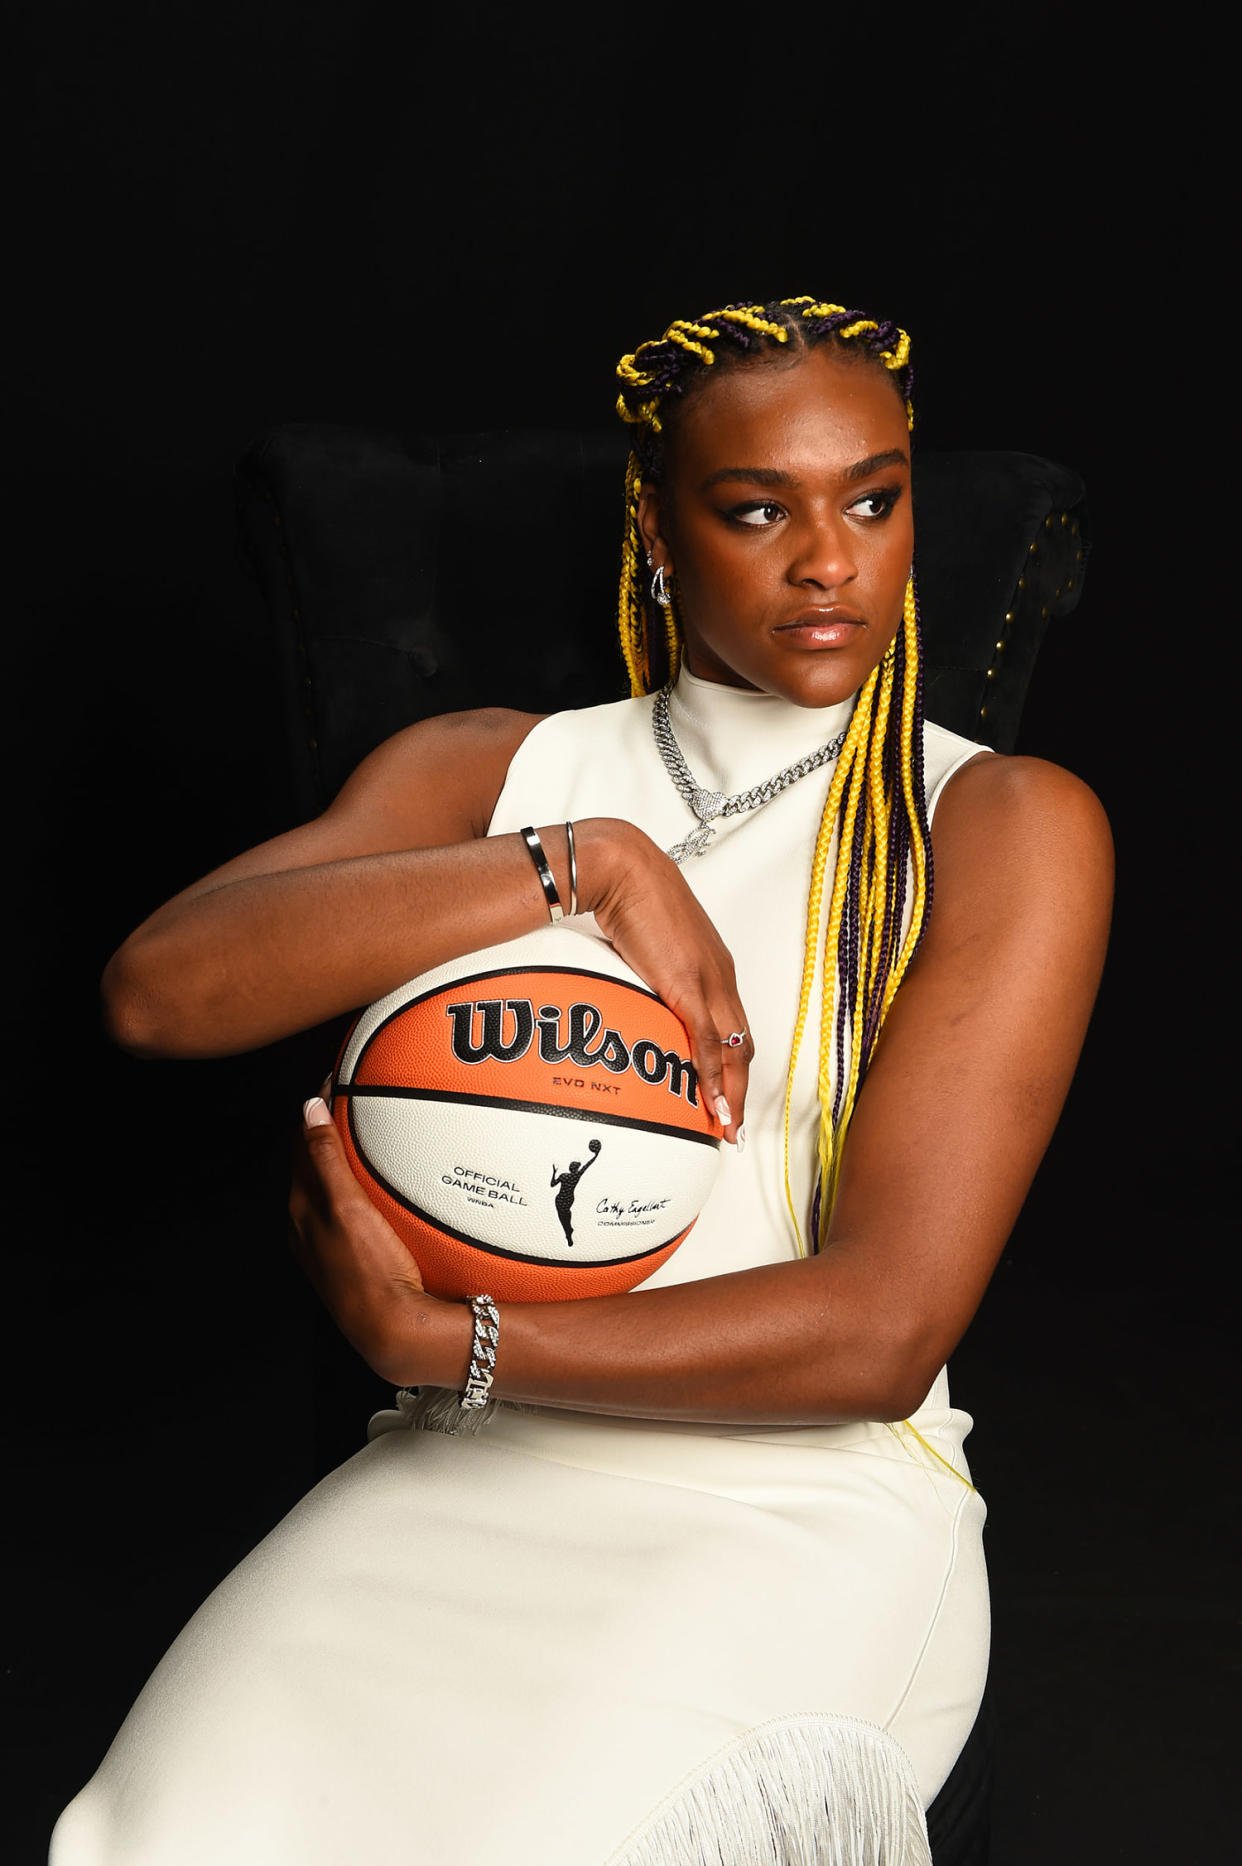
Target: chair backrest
{"x": 410, "y": 576}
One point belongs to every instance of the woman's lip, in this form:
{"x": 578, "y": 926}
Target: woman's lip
{"x": 826, "y": 628}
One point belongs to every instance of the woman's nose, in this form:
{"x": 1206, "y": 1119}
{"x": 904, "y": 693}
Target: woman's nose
{"x": 823, "y": 554}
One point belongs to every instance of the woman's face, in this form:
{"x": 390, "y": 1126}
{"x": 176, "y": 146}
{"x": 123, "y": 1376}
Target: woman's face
{"x": 785, "y": 520}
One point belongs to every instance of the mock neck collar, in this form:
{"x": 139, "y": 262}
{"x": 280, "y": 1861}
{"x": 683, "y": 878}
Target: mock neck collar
{"x": 735, "y": 737}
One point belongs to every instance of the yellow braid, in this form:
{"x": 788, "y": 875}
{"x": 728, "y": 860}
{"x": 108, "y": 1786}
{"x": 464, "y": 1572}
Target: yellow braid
{"x": 683, "y": 335}
{"x": 831, "y": 1140}
{"x": 855, "y": 735}
{"x": 918, "y": 910}
{"x": 631, "y": 609}
{"x": 878, "y": 810}
{"x": 813, "y": 309}
{"x": 752, "y": 317}
{"x": 914, "y": 1431}
{"x": 856, "y": 330}
{"x": 632, "y": 602}
{"x": 898, "y": 358}
{"x": 648, "y": 414}
{"x": 857, "y": 784}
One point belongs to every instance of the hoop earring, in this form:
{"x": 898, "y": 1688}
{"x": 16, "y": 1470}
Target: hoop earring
{"x": 660, "y": 590}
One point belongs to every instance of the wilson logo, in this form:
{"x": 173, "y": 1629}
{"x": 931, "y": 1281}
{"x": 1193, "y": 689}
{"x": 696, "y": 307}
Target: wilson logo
{"x": 502, "y": 1030}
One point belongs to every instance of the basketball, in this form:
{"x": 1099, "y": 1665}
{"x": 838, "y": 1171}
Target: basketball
{"x": 529, "y": 1121}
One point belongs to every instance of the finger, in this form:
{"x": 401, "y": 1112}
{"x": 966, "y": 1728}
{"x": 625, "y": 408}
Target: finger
{"x": 305, "y": 1188}
{"x": 321, "y": 1170}
{"x": 705, "y": 1056}
{"x": 729, "y": 1024}
{"x": 737, "y": 1061}
{"x": 708, "y": 1056}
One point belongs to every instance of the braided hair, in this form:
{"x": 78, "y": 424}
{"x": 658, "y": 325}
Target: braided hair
{"x": 877, "y": 792}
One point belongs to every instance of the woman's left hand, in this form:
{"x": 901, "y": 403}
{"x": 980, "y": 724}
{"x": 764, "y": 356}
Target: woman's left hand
{"x": 364, "y": 1275}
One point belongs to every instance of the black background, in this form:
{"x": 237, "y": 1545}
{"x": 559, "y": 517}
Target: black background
{"x": 237, "y": 215}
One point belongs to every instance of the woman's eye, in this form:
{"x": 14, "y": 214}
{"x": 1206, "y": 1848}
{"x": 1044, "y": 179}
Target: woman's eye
{"x": 880, "y": 503}
{"x": 758, "y": 513}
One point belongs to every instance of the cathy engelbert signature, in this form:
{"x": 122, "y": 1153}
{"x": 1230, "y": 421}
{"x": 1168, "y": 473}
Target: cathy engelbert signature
{"x": 481, "y": 1188}
{"x": 634, "y": 1208}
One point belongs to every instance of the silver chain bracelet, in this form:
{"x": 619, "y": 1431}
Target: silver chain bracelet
{"x": 482, "y": 1352}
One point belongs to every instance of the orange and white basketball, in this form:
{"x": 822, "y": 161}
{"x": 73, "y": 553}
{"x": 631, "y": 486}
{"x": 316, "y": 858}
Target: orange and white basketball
{"x": 529, "y": 1121}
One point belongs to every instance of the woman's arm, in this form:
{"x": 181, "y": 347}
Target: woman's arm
{"x": 397, "y": 876}
{"x": 336, "y": 913}
{"x": 958, "y": 1107}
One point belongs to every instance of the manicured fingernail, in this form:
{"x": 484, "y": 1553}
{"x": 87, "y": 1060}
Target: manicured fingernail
{"x": 722, "y": 1111}
{"x": 315, "y": 1112}
{"x": 740, "y": 1142}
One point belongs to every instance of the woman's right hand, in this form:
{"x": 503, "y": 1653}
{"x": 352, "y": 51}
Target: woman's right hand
{"x": 643, "y": 904}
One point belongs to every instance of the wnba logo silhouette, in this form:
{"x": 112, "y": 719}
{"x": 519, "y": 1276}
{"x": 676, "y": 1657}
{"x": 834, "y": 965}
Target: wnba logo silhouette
{"x": 502, "y": 1030}
{"x": 567, "y": 1184}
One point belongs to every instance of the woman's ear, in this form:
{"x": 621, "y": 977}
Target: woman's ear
{"x": 655, "y": 544}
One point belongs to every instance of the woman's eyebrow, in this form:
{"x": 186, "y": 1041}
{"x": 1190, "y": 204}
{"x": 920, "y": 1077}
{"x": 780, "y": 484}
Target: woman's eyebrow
{"x": 776, "y": 476}
{"x": 873, "y": 463}
{"x": 760, "y": 476}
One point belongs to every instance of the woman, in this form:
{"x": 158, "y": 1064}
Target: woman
{"x": 707, "y": 1582}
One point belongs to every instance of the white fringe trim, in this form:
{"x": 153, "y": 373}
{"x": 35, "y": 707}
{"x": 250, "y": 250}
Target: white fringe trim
{"x": 439, "y": 1409}
{"x": 813, "y": 1790}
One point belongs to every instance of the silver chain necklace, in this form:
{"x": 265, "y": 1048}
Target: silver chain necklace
{"x": 709, "y": 804}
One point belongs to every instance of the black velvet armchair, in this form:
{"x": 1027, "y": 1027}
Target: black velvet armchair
{"x": 406, "y": 577}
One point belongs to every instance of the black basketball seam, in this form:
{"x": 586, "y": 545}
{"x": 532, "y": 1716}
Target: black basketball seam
{"x": 347, "y": 1091}
{"x": 495, "y": 1250}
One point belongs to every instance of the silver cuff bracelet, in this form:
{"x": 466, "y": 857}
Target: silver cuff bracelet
{"x": 546, "y": 879}
{"x": 573, "y": 870}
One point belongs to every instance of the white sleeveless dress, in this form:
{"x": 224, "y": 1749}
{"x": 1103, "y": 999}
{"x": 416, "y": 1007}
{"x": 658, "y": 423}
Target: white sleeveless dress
{"x": 563, "y": 1639}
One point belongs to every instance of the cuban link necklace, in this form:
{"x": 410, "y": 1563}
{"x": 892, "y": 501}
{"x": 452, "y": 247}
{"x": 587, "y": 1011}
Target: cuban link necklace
{"x": 707, "y": 805}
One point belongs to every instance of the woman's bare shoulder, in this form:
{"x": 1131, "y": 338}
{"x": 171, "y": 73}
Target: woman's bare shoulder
{"x": 1013, "y": 833}
{"x": 437, "y": 780}
{"x": 1013, "y": 796}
